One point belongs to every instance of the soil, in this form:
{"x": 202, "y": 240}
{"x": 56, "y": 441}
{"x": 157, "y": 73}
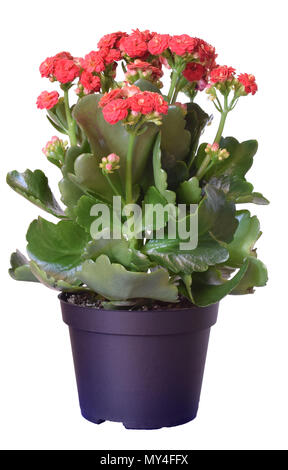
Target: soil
{"x": 92, "y": 301}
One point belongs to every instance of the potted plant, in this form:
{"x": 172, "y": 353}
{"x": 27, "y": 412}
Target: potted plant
{"x": 153, "y": 235}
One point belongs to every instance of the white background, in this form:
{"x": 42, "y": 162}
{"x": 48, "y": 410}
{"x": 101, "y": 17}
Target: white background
{"x": 245, "y": 389}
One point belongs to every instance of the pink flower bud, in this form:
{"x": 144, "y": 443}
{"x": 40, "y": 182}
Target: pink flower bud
{"x": 109, "y": 166}
{"x": 215, "y": 147}
{"x": 113, "y": 158}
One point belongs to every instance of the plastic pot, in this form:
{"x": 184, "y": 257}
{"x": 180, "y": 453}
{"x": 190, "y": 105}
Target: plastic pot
{"x": 143, "y": 369}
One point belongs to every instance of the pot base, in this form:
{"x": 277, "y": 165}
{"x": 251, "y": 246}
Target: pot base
{"x": 139, "y": 426}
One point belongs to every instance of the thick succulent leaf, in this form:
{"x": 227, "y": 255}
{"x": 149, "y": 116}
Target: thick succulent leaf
{"x": 255, "y": 276}
{"x": 239, "y": 161}
{"x": 20, "y": 269}
{"x": 89, "y": 176}
{"x": 255, "y": 198}
{"x": 118, "y": 251}
{"x": 71, "y": 155}
{"x": 52, "y": 283}
{"x": 177, "y": 174}
{"x": 204, "y": 294}
{"x": 83, "y": 209}
{"x": 175, "y": 138}
{"x": 70, "y": 195}
{"x": 196, "y": 120}
{"x": 189, "y": 192}
{"x": 245, "y": 237}
{"x": 152, "y": 198}
{"x": 166, "y": 253}
{"x": 238, "y": 190}
{"x": 57, "y": 115}
{"x": 57, "y": 248}
{"x": 216, "y": 215}
{"x": 33, "y": 185}
{"x": 105, "y": 138}
{"x": 114, "y": 282}
{"x": 160, "y": 176}
{"x": 145, "y": 85}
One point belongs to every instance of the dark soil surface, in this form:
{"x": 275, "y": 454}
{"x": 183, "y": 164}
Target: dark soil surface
{"x": 91, "y": 300}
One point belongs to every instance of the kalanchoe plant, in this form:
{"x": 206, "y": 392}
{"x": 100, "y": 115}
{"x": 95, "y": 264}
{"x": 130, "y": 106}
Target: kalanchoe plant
{"x": 132, "y": 142}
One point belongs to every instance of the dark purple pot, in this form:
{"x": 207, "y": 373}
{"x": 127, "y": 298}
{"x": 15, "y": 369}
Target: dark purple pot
{"x": 143, "y": 369}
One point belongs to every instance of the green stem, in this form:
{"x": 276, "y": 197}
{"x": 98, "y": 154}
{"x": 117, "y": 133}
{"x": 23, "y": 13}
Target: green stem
{"x": 112, "y": 186}
{"x": 174, "y": 80}
{"x": 224, "y": 114}
{"x": 221, "y": 126}
{"x": 200, "y": 173}
{"x": 70, "y": 120}
{"x": 129, "y": 159}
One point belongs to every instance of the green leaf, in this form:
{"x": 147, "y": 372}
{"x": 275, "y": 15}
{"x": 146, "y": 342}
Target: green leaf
{"x": 168, "y": 254}
{"x": 89, "y": 176}
{"x": 196, "y": 120}
{"x": 33, "y": 185}
{"x": 71, "y": 155}
{"x": 238, "y": 190}
{"x": 255, "y": 198}
{"x": 114, "y": 282}
{"x": 175, "y": 138}
{"x": 189, "y": 192}
{"x": 245, "y": 237}
{"x": 105, "y": 138}
{"x": 255, "y": 276}
{"x": 145, "y": 85}
{"x": 20, "y": 269}
{"x": 239, "y": 161}
{"x": 118, "y": 251}
{"x": 204, "y": 294}
{"x": 52, "y": 283}
{"x": 57, "y": 248}
{"x": 70, "y": 194}
{"x": 58, "y": 128}
{"x": 160, "y": 176}
{"x": 83, "y": 209}
{"x": 216, "y": 215}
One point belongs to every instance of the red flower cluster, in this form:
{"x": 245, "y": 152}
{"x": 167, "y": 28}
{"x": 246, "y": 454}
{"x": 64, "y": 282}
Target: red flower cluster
{"x": 183, "y": 44}
{"x": 136, "y": 44}
{"x": 222, "y": 74}
{"x": 158, "y": 44}
{"x": 47, "y": 100}
{"x": 119, "y": 102}
{"x": 91, "y": 83}
{"x": 194, "y": 72}
{"x": 61, "y": 67}
{"x": 248, "y": 81}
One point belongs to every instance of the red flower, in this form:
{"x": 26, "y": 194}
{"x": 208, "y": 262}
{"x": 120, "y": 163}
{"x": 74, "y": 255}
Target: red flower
{"x": 63, "y": 55}
{"x": 183, "y": 44}
{"x": 66, "y": 70}
{"x": 248, "y": 81}
{"x": 111, "y": 40}
{"x": 135, "y": 45}
{"x": 194, "y": 72}
{"x": 47, "y": 100}
{"x": 94, "y": 61}
{"x": 115, "y": 111}
{"x": 221, "y": 74}
{"x": 161, "y": 106}
{"x": 47, "y": 67}
{"x": 128, "y": 91}
{"x": 113, "y": 55}
{"x": 108, "y": 97}
{"x": 142, "y": 102}
{"x": 206, "y": 54}
{"x": 91, "y": 83}
{"x": 158, "y": 44}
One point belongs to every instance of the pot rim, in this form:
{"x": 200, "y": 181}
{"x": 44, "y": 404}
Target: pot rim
{"x": 137, "y": 322}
